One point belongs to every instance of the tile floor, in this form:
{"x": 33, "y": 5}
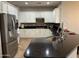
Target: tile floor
{"x": 24, "y": 43}
{"x": 21, "y": 48}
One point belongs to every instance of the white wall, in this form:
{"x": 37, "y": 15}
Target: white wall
{"x": 73, "y": 53}
{"x": 70, "y": 15}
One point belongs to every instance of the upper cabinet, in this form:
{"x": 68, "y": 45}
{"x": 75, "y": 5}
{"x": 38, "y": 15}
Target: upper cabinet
{"x": 9, "y": 8}
{"x": 13, "y": 10}
{"x": 47, "y": 15}
{"x": 30, "y": 17}
{"x": 56, "y": 15}
{"x": 3, "y": 7}
{"x": 27, "y": 17}
{"x": 0, "y": 6}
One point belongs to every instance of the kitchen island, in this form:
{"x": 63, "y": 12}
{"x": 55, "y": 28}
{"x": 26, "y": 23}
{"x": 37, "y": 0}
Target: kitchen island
{"x": 42, "y": 48}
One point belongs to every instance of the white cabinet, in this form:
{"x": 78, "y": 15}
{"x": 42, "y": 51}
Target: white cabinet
{"x": 0, "y": 8}
{"x": 48, "y": 16}
{"x": 13, "y": 10}
{"x": 35, "y": 33}
{"x": 4, "y": 7}
{"x": 22, "y": 32}
{"x": 27, "y": 17}
{"x": 0, "y": 5}
{"x": 16, "y": 12}
{"x": 38, "y": 14}
{"x": 22, "y": 17}
{"x": 10, "y": 9}
{"x": 0, "y": 11}
{"x": 56, "y": 15}
{"x": 30, "y": 16}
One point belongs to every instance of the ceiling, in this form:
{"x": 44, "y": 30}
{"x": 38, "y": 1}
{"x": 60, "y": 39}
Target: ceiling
{"x": 35, "y": 3}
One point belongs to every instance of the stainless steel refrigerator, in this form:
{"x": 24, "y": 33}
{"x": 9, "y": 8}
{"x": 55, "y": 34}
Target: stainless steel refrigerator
{"x": 0, "y": 42}
{"x": 0, "y": 46}
{"x": 8, "y": 35}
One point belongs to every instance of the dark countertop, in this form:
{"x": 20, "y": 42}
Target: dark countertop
{"x": 36, "y": 25}
{"x": 42, "y": 48}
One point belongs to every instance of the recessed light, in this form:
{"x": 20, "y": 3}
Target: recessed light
{"x": 26, "y": 3}
{"x": 48, "y": 3}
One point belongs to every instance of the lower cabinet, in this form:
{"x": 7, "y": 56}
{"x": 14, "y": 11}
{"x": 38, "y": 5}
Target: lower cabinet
{"x": 21, "y": 33}
{"x": 0, "y": 11}
{"x": 35, "y": 33}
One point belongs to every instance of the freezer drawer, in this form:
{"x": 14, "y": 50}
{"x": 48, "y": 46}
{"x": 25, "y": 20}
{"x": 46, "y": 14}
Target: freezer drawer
{"x": 12, "y": 49}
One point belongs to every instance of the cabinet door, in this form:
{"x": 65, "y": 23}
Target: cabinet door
{"x": 56, "y": 15}
{"x": 10, "y": 9}
{"x": 4, "y": 7}
{"x": 13, "y": 10}
{"x": 16, "y": 12}
{"x": 38, "y": 14}
{"x": 0, "y": 11}
{"x": 22, "y": 17}
{"x": 0, "y": 8}
{"x": 0, "y": 5}
{"x": 22, "y": 33}
{"x": 47, "y": 15}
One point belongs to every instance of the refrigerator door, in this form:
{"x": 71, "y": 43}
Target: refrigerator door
{"x": 12, "y": 49}
{"x": 8, "y": 36}
{"x": 12, "y": 34}
{"x": 0, "y": 46}
{"x": 0, "y": 42}
{"x": 12, "y": 44}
